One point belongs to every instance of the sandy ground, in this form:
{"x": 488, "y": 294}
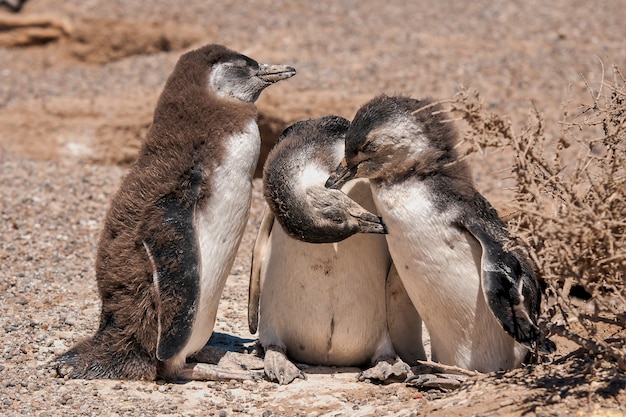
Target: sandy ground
{"x": 77, "y": 94}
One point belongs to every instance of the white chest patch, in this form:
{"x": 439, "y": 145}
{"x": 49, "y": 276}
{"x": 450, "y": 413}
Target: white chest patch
{"x": 440, "y": 267}
{"x": 312, "y": 175}
{"x": 424, "y": 244}
{"x": 220, "y": 224}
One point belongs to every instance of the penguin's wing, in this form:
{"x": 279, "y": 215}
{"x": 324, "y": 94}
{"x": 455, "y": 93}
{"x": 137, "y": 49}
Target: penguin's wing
{"x": 174, "y": 254}
{"x": 258, "y": 256}
{"x": 403, "y": 321}
{"x": 508, "y": 282}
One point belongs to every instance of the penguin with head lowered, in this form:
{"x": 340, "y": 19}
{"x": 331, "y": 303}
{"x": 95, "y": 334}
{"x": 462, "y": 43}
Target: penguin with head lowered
{"x": 333, "y": 304}
{"x": 173, "y": 228}
{"x": 478, "y": 297}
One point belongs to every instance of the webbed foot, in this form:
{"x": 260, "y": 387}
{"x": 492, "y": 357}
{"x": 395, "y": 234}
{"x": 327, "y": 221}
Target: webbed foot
{"x": 384, "y": 370}
{"x": 279, "y": 368}
{"x": 216, "y": 364}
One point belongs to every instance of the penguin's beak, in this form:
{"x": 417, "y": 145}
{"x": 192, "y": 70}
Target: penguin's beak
{"x": 370, "y": 223}
{"x": 274, "y": 73}
{"x": 341, "y": 175}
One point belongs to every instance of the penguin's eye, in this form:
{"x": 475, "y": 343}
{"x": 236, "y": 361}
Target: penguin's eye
{"x": 238, "y": 67}
{"x": 245, "y": 63}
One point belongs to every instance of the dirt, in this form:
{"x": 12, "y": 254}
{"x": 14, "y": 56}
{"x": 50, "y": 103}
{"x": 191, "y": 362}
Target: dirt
{"x": 78, "y": 84}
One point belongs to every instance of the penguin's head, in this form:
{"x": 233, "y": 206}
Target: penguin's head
{"x": 233, "y": 75}
{"x": 293, "y": 179}
{"x": 393, "y": 136}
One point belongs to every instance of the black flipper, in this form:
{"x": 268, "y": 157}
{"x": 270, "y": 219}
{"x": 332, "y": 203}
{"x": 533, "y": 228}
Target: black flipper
{"x": 174, "y": 253}
{"x": 508, "y": 281}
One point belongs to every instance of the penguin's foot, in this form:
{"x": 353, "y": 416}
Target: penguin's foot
{"x": 91, "y": 359}
{"x": 279, "y": 368}
{"x": 444, "y": 382}
{"x": 216, "y": 364}
{"x": 227, "y": 359}
{"x": 64, "y": 368}
{"x": 433, "y": 375}
{"x": 242, "y": 360}
{"x": 210, "y": 372}
{"x": 385, "y": 370}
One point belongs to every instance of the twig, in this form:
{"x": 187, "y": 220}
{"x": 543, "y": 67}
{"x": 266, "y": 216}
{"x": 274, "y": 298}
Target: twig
{"x": 439, "y": 367}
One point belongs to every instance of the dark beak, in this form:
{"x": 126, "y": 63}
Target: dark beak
{"x": 273, "y": 73}
{"x": 370, "y": 223}
{"x": 342, "y": 175}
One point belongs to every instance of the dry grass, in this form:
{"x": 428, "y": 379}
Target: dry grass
{"x": 570, "y": 194}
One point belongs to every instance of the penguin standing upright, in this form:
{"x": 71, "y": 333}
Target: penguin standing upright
{"x": 477, "y": 297}
{"x": 174, "y": 226}
{"x": 325, "y": 303}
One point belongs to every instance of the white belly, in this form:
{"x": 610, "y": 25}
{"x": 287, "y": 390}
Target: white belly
{"x": 440, "y": 268}
{"x": 219, "y": 227}
{"x": 325, "y": 303}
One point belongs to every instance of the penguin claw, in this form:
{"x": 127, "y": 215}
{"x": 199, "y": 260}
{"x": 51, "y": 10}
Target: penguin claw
{"x": 384, "y": 370}
{"x": 65, "y": 365}
{"x": 278, "y": 368}
{"x": 63, "y": 370}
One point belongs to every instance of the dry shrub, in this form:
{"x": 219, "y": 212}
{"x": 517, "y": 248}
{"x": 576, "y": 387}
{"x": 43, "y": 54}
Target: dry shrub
{"x": 570, "y": 196}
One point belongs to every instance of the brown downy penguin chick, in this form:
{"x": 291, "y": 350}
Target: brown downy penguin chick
{"x": 174, "y": 226}
{"x": 479, "y": 299}
{"x": 327, "y": 303}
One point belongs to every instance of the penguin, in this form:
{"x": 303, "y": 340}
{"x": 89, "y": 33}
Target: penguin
{"x": 174, "y": 226}
{"x": 474, "y": 288}
{"x": 325, "y": 303}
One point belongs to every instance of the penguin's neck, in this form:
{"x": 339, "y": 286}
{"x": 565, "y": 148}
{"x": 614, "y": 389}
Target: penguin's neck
{"x": 241, "y": 155}
{"x": 314, "y": 166}
{"x": 443, "y": 174}
{"x": 308, "y": 169}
